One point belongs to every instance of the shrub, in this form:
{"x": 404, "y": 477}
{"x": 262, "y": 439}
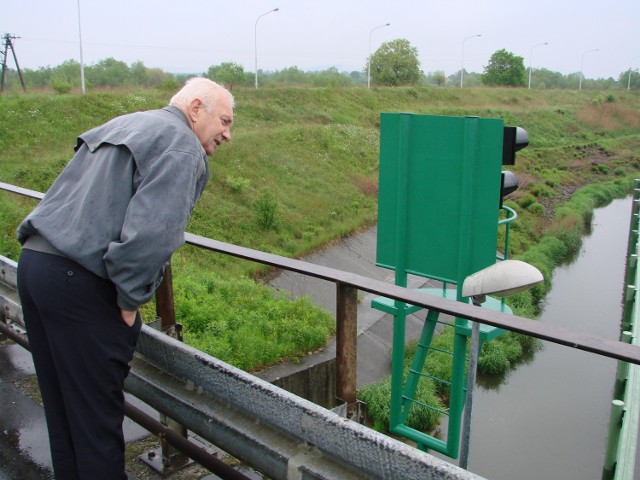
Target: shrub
{"x": 527, "y": 200}
{"x": 237, "y": 184}
{"x": 542, "y": 190}
{"x": 493, "y": 359}
{"x": 168, "y": 85}
{"x": 266, "y": 208}
{"x": 60, "y": 86}
{"x": 536, "y": 208}
{"x": 377, "y": 398}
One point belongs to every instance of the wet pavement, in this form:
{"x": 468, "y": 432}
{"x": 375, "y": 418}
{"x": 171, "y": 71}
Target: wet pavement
{"x": 22, "y": 425}
{"x": 24, "y": 441}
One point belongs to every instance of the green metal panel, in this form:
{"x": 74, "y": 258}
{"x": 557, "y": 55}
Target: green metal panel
{"x": 439, "y": 198}
{"x": 439, "y": 194}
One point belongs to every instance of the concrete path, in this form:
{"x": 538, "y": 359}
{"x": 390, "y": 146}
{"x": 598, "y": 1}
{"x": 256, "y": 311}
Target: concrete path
{"x": 355, "y": 254}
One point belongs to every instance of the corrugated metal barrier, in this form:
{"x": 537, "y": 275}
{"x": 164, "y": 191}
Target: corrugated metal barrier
{"x": 625, "y": 407}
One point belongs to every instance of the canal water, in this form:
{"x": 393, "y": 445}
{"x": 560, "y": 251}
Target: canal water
{"x": 548, "y": 418}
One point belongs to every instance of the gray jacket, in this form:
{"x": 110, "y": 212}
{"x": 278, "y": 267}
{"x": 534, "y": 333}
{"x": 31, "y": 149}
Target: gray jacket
{"x": 121, "y": 205}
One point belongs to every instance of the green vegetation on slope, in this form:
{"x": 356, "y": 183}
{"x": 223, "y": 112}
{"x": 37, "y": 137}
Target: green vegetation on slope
{"x": 302, "y": 171}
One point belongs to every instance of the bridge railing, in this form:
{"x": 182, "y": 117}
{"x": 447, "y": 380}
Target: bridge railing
{"x": 272, "y": 430}
{"x": 625, "y": 407}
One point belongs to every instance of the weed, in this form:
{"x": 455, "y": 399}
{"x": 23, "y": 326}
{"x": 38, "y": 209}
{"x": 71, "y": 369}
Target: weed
{"x": 266, "y": 208}
{"x": 237, "y": 184}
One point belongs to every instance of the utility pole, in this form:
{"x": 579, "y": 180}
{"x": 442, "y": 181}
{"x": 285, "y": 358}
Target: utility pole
{"x": 8, "y": 44}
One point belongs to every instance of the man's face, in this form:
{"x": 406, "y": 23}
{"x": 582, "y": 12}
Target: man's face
{"x": 212, "y": 128}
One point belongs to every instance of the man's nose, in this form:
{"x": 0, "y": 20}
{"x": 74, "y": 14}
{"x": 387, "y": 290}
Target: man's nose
{"x": 226, "y": 135}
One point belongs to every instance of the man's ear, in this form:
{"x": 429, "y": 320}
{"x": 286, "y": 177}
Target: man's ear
{"x": 195, "y": 108}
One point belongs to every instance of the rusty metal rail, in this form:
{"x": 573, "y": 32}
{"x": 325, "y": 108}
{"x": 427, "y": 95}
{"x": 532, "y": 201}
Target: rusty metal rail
{"x": 563, "y": 336}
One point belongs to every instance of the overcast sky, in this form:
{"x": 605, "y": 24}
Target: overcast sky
{"x": 188, "y": 36}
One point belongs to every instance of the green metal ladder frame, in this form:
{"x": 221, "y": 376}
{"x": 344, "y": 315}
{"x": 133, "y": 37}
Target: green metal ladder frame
{"x": 403, "y": 393}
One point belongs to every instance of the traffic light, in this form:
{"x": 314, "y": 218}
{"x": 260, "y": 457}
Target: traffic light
{"x": 514, "y": 139}
{"x": 508, "y": 184}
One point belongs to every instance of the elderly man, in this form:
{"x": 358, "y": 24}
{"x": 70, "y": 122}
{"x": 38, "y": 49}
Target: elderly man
{"x": 93, "y": 252}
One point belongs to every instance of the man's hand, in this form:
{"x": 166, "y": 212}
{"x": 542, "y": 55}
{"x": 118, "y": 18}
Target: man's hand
{"x": 129, "y": 316}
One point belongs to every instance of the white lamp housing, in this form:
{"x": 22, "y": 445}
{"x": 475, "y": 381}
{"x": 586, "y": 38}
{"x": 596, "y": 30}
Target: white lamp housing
{"x": 502, "y": 279}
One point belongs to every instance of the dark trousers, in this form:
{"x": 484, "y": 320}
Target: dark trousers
{"x": 81, "y": 350}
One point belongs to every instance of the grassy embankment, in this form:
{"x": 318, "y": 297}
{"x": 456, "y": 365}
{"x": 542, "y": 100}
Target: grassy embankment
{"x": 302, "y": 171}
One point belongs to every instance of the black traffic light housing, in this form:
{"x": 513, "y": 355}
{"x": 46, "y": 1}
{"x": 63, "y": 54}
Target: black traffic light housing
{"x": 514, "y": 139}
{"x": 508, "y": 184}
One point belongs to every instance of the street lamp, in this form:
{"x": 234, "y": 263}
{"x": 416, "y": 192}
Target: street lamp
{"x": 582, "y": 62}
{"x": 255, "y": 38}
{"x": 369, "y": 62}
{"x": 502, "y": 279}
{"x": 531, "y": 59}
{"x": 630, "y": 65}
{"x": 81, "y": 60}
{"x": 462, "y": 61}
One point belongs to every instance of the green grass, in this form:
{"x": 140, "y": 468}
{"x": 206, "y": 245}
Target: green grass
{"x": 302, "y": 170}
{"x": 245, "y": 324}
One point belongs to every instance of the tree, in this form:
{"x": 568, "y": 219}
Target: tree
{"x": 330, "y": 77}
{"x": 437, "y": 78}
{"x": 358, "y": 77}
{"x": 542, "y": 78}
{"x": 629, "y": 79}
{"x": 290, "y": 75}
{"x": 157, "y": 76}
{"x": 139, "y": 73}
{"x": 395, "y": 63}
{"x": 108, "y": 73}
{"x": 68, "y": 71}
{"x": 505, "y": 69}
{"x": 227, "y": 73}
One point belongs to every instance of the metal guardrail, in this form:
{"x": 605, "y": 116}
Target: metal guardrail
{"x": 297, "y": 437}
{"x": 267, "y": 428}
{"x": 620, "y": 457}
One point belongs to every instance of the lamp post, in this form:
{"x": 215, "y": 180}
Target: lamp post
{"x": 531, "y": 59}
{"x": 369, "y": 62}
{"x": 582, "y": 62}
{"x": 501, "y": 279}
{"x": 462, "y": 60}
{"x": 255, "y": 39}
{"x": 81, "y": 60}
{"x": 630, "y": 65}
